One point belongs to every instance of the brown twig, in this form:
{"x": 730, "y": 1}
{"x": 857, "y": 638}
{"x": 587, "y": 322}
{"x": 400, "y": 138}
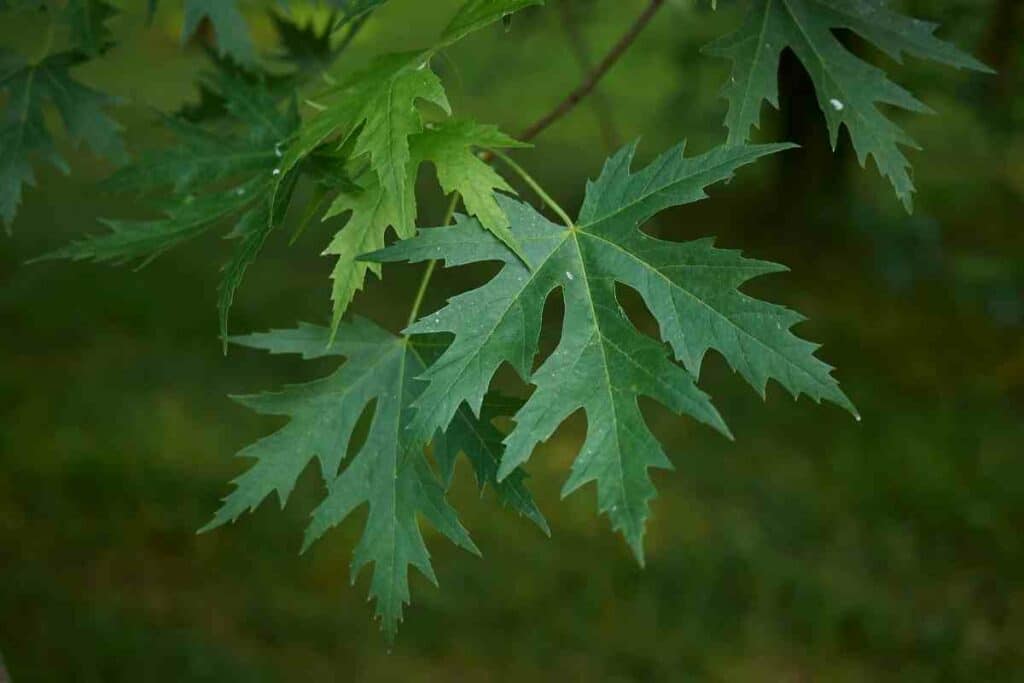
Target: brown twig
{"x": 592, "y": 79}
{"x": 581, "y": 50}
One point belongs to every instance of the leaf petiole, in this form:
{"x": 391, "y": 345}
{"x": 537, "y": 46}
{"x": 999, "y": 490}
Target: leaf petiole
{"x": 535, "y": 186}
{"x": 319, "y": 197}
{"x": 429, "y": 272}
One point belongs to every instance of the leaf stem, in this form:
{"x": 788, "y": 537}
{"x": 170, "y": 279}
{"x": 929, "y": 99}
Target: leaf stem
{"x": 315, "y": 204}
{"x": 535, "y": 186}
{"x": 561, "y": 109}
{"x": 429, "y": 272}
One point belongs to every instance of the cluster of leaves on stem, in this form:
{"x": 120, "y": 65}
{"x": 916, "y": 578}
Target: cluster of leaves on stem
{"x": 264, "y": 126}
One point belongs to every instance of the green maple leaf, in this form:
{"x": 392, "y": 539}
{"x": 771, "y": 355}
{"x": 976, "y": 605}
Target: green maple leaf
{"x": 373, "y": 210}
{"x": 24, "y": 134}
{"x": 473, "y": 15}
{"x": 389, "y": 472}
{"x": 378, "y": 106}
{"x": 232, "y": 32}
{"x": 375, "y": 115}
{"x": 603, "y": 363}
{"x": 848, "y": 89}
{"x": 242, "y": 164}
{"x": 450, "y": 147}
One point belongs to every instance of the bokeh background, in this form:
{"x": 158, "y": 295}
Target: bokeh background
{"x": 814, "y": 548}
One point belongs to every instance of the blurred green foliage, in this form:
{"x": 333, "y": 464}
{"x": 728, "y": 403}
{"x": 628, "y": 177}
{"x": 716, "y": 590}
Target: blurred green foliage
{"x": 812, "y": 548}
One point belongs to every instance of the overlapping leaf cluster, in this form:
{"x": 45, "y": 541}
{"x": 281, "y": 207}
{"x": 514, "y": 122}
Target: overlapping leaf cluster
{"x": 602, "y": 363}
{"x": 374, "y": 122}
{"x": 31, "y": 86}
{"x": 240, "y": 152}
{"x": 370, "y": 127}
{"x": 377, "y": 116}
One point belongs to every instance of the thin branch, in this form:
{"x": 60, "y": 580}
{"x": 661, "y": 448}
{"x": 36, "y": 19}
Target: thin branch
{"x": 429, "y": 272}
{"x": 592, "y": 79}
{"x": 536, "y": 187}
{"x": 581, "y": 50}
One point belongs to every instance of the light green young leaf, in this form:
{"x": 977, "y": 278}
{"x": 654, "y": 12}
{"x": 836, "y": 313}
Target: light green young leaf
{"x": 372, "y": 211}
{"x": 450, "y": 147}
{"x": 476, "y": 14}
{"x": 232, "y": 32}
{"x": 389, "y": 117}
{"x": 848, "y": 89}
{"x": 603, "y": 363}
{"x": 379, "y": 106}
{"x": 389, "y": 472}
{"x": 376, "y": 114}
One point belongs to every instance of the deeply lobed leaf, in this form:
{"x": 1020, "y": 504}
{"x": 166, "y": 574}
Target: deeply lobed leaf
{"x": 451, "y": 146}
{"x": 848, "y": 89}
{"x": 602, "y": 363}
{"x": 24, "y": 134}
{"x": 389, "y": 472}
{"x": 375, "y": 115}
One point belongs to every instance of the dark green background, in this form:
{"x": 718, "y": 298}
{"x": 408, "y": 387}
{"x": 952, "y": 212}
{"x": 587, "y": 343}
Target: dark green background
{"x": 813, "y": 548}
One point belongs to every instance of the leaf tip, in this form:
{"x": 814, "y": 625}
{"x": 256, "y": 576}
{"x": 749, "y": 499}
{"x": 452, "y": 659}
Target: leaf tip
{"x": 636, "y": 545}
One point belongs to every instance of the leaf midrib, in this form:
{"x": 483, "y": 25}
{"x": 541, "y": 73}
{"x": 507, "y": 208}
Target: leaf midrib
{"x": 711, "y": 308}
{"x": 621, "y": 479}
